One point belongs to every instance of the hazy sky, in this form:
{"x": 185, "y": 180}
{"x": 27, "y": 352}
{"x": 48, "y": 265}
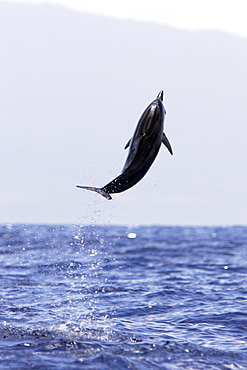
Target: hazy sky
{"x": 224, "y": 15}
{"x": 73, "y": 86}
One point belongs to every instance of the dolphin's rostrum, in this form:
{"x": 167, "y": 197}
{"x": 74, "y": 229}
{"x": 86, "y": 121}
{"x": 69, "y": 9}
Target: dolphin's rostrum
{"x": 143, "y": 149}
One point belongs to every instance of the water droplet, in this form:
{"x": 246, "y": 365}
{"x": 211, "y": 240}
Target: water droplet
{"x": 132, "y": 235}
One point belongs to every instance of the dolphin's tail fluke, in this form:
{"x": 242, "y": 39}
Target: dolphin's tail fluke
{"x": 97, "y": 190}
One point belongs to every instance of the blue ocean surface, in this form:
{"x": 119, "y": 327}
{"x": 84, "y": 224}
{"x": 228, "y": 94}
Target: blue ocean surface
{"x": 117, "y": 297}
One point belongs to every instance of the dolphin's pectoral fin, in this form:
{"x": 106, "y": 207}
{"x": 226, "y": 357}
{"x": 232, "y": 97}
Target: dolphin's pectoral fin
{"x": 128, "y": 144}
{"x": 165, "y": 141}
{"x": 97, "y": 190}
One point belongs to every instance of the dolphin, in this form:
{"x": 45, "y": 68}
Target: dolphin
{"x": 143, "y": 149}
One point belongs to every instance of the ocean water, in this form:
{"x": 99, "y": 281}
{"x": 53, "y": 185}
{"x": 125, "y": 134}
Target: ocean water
{"x": 116, "y": 297}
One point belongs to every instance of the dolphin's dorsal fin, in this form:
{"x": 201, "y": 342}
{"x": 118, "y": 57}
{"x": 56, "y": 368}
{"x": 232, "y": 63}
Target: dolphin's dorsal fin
{"x": 165, "y": 141}
{"x": 128, "y": 144}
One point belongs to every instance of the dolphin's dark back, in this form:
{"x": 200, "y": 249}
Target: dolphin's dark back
{"x": 130, "y": 177}
{"x": 147, "y": 135}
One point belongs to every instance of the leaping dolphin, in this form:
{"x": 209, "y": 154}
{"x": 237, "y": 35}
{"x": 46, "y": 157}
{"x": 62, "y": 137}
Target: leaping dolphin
{"x": 143, "y": 149}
